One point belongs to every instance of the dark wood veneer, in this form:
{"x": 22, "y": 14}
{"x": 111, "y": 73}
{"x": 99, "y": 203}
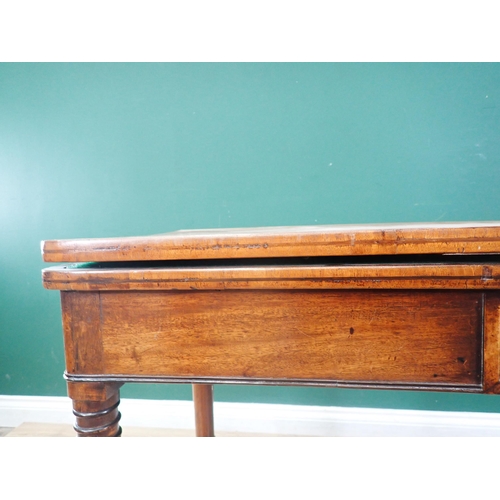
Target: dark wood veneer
{"x": 423, "y": 321}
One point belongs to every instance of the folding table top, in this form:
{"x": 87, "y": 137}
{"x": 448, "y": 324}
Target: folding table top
{"x": 292, "y": 241}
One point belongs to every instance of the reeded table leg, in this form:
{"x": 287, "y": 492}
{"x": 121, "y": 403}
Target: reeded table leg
{"x": 95, "y": 406}
{"x": 203, "y": 410}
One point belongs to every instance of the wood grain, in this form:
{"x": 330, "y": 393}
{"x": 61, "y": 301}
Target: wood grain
{"x": 203, "y": 410}
{"x": 82, "y": 333}
{"x": 408, "y": 306}
{"x": 492, "y": 343}
{"x": 298, "y": 241}
{"x": 465, "y": 276}
{"x": 92, "y": 391}
{"x": 405, "y": 337}
{"x": 97, "y": 418}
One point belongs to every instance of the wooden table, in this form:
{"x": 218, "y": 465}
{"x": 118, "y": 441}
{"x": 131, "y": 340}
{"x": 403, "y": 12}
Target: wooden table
{"x": 409, "y": 306}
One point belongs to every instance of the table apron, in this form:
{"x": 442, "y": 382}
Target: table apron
{"x": 400, "y": 339}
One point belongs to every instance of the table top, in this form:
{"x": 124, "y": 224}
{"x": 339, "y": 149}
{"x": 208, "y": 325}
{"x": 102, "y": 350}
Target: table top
{"x": 292, "y": 241}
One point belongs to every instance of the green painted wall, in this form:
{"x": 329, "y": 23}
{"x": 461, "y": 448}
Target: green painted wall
{"x": 90, "y": 150}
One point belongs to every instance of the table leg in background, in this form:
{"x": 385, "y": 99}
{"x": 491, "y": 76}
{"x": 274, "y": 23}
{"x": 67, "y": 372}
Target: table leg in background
{"x": 203, "y": 410}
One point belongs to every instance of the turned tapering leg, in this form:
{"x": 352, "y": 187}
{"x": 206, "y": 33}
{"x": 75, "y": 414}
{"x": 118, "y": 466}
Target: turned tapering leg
{"x": 95, "y": 406}
{"x": 203, "y": 410}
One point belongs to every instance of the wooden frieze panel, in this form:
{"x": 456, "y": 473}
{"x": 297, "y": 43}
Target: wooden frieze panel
{"x": 405, "y": 337}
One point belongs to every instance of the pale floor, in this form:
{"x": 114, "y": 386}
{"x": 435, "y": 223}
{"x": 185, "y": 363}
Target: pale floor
{"x": 33, "y": 429}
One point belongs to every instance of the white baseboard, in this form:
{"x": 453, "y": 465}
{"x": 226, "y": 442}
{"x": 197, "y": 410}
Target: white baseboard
{"x": 264, "y": 418}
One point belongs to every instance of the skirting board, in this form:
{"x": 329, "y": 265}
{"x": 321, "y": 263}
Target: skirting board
{"x": 264, "y": 418}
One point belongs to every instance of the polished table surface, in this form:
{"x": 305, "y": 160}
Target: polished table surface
{"x": 403, "y": 306}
